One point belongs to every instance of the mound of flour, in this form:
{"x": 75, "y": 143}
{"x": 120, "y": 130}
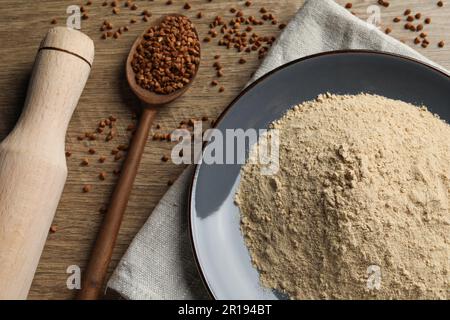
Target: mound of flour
{"x": 360, "y": 206}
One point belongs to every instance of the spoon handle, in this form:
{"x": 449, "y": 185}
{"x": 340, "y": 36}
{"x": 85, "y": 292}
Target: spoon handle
{"x": 95, "y": 272}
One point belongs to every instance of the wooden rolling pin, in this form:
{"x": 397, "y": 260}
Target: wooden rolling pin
{"x": 33, "y": 167}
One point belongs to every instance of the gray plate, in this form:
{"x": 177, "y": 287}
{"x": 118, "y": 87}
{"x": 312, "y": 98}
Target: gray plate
{"x": 221, "y": 254}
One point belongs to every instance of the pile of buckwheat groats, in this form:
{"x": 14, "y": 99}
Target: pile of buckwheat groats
{"x": 168, "y": 56}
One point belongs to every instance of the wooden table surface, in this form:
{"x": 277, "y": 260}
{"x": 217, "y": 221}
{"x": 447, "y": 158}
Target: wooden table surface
{"x": 23, "y": 24}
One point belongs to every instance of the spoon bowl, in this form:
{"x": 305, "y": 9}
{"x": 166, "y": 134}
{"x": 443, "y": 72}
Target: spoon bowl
{"x": 150, "y": 98}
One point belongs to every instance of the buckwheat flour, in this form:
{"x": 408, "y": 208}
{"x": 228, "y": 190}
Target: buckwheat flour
{"x": 360, "y": 206}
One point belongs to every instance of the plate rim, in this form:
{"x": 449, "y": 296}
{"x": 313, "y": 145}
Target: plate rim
{"x": 194, "y": 178}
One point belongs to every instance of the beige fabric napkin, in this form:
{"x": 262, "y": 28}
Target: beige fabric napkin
{"x": 159, "y": 263}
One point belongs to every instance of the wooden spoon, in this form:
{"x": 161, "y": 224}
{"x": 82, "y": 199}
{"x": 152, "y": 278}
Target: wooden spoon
{"x": 101, "y": 254}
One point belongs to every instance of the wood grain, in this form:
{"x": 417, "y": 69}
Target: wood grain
{"x": 25, "y": 22}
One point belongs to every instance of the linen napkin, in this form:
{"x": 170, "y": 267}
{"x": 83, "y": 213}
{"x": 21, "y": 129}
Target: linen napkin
{"x": 159, "y": 263}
